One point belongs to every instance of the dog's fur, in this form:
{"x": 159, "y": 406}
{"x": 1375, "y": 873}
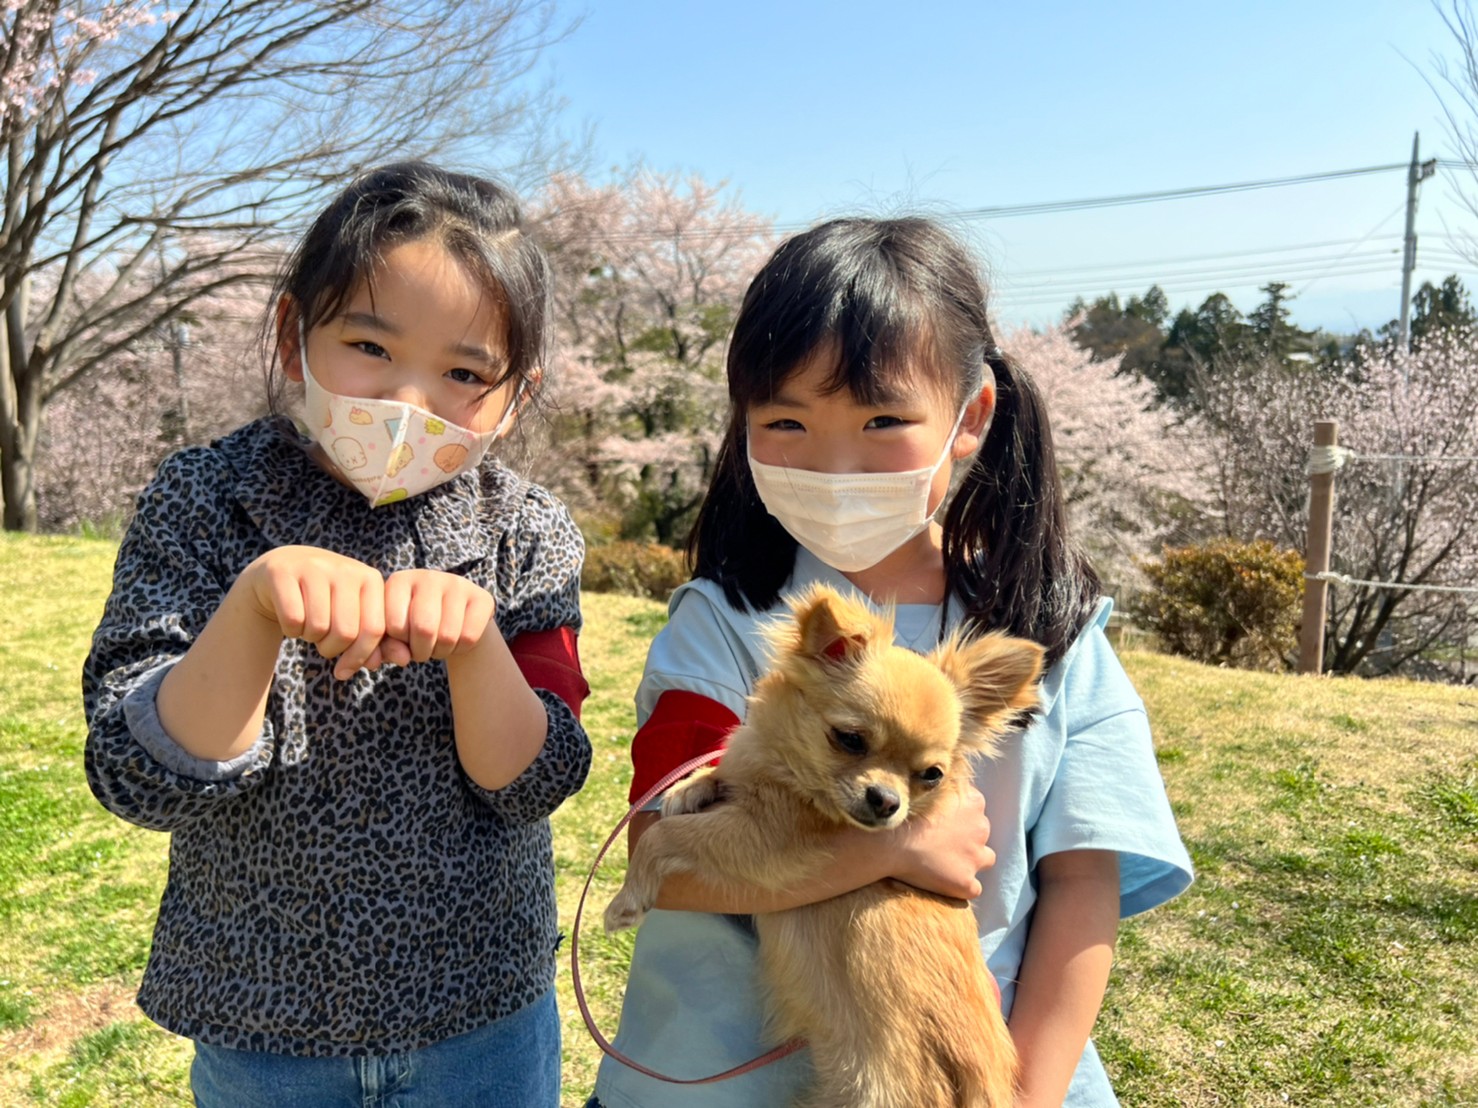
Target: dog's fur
{"x": 887, "y": 984}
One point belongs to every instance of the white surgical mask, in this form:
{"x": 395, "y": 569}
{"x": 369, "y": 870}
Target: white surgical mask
{"x": 851, "y": 521}
{"x": 391, "y": 450}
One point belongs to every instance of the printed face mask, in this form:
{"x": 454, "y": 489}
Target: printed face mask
{"x": 391, "y": 450}
{"x": 851, "y": 521}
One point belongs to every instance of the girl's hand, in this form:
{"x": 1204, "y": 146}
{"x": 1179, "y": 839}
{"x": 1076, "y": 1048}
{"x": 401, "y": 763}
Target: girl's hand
{"x": 430, "y": 614}
{"x": 943, "y": 852}
{"x": 333, "y": 602}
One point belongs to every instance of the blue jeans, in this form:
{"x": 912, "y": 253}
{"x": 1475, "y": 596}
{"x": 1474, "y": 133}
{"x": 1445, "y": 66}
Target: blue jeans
{"x": 512, "y": 1063}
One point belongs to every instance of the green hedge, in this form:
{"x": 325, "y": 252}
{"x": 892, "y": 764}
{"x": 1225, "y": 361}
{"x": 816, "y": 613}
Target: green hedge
{"x": 1226, "y": 602}
{"x": 634, "y": 568}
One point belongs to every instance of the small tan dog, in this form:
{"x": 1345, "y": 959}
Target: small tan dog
{"x": 886, "y": 984}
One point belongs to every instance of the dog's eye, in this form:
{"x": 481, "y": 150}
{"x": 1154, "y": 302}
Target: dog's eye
{"x": 931, "y": 776}
{"x": 850, "y": 741}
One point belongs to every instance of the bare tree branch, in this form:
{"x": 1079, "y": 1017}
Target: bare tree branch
{"x": 208, "y": 134}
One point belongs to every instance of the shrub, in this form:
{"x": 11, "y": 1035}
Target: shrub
{"x": 635, "y": 568}
{"x": 1225, "y": 602}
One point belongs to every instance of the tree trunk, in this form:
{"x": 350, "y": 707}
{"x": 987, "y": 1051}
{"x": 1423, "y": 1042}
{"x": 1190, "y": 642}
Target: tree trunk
{"x": 17, "y": 457}
{"x": 19, "y": 485}
{"x": 20, "y": 420}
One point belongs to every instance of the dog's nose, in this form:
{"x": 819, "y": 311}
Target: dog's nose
{"x": 882, "y": 801}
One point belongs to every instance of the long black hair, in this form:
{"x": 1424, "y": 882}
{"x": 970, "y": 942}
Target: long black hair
{"x": 891, "y": 296}
{"x": 475, "y": 219}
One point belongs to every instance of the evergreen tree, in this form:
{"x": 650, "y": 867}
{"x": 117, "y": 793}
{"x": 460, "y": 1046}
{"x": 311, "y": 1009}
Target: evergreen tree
{"x": 1434, "y": 309}
{"x": 1273, "y": 335}
{"x": 1196, "y": 342}
{"x": 1132, "y": 332}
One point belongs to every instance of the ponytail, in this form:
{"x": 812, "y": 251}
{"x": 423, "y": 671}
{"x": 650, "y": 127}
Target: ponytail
{"x": 1007, "y": 554}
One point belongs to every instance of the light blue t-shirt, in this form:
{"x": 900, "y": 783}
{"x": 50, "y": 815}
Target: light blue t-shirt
{"x": 1083, "y": 776}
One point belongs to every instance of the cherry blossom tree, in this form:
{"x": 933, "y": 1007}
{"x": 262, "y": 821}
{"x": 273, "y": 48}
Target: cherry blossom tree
{"x": 1134, "y": 472}
{"x": 155, "y": 156}
{"x": 198, "y": 376}
{"x": 1406, "y": 507}
{"x": 651, "y": 269}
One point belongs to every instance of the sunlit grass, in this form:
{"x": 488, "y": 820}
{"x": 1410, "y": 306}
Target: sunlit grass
{"x": 78, "y": 889}
{"x": 612, "y": 651}
{"x": 1327, "y": 954}
{"x": 1329, "y": 948}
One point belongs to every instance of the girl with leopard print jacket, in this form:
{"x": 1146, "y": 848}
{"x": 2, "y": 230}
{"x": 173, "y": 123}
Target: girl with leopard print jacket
{"x": 341, "y": 671}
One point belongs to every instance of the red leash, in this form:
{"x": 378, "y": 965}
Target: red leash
{"x": 610, "y": 1051}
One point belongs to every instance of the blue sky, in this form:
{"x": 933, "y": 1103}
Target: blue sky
{"x": 811, "y": 109}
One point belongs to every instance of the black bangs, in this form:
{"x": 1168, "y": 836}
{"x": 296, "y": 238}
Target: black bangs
{"x": 837, "y": 289}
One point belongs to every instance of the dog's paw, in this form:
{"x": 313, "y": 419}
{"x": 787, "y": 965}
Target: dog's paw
{"x": 623, "y": 911}
{"x": 702, "y": 790}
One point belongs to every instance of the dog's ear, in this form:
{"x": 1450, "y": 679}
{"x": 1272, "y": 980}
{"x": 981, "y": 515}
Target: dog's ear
{"x": 996, "y": 678}
{"x": 832, "y": 628}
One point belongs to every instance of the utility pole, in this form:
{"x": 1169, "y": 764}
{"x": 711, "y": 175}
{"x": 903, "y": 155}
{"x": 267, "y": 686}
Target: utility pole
{"x": 1415, "y": 175}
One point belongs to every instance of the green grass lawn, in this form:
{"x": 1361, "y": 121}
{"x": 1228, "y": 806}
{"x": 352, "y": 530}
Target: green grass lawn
{"x": 1327, "y": 955}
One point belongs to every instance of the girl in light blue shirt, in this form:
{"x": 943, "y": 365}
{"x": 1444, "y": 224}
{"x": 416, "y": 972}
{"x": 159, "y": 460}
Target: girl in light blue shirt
{"x": 867, "y": 394}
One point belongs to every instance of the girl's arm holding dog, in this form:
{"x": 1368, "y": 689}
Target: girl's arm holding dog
{"x": 1064, "y": 970}
{"x": 942, "y": 855}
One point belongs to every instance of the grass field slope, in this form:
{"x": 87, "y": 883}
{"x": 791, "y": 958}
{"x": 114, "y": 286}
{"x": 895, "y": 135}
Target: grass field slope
{"x": 1327, "y": 954}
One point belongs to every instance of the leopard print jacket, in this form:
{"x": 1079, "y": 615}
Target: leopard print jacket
{"x": 343, "y": 887}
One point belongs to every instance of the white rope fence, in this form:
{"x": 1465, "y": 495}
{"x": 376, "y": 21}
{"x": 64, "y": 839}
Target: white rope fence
{"x": 1406, "y": 586}
{"x": 1326, "y": 457}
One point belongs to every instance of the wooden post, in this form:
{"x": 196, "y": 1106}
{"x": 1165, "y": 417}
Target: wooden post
{"x": 1316, "y": 555}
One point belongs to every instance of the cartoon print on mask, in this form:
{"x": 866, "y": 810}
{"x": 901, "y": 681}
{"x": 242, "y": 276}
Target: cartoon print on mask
{"x": 450, "y": 457}
{"x": 400, "y": 457}
{"x": 349, "y": 454}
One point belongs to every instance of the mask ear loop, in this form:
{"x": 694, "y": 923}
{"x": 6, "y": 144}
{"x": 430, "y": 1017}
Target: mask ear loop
{"x": 988, "y": 377}
{"x": 303, "y": 347}
{"x": 308, "y": 377}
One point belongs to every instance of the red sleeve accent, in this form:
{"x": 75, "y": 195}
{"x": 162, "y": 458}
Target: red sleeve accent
{"x": 683, "y": 725}
{"x": 551, "y": 660}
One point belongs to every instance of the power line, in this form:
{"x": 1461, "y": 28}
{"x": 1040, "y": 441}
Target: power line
{"x": 1134, "y": 272}
{"x": 1202, "y": 257}
{"x": 1213, "y": 277}
{"x": 1368, "y": 234}
{"x": 1006, "y": 211}
{"x": 1137, "y": 280}
{"x": 1040, "y": 285}
{"x": 1011, "y": 294}
{"x": 1187, "y": 283}
{"x": 1018, "y": 298}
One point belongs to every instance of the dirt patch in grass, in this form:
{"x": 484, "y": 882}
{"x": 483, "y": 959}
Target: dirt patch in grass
{"x": 69, "y": 1018}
